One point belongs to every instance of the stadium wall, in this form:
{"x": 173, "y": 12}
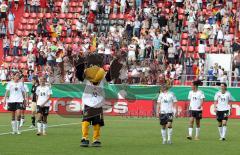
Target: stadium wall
{"x": 129, "y": 100}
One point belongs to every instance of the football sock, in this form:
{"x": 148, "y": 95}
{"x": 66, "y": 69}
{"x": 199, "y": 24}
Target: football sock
{"x": 21, "y": 122}
{"x": 197, "y": 132}
{"x": 44, "y": 126}
{"x": 163, "y": 131}
{"x": 190, "y": 130}
{"x": 39, "y": 126}
{"x": 13, "y": 125}
{"x": 96, "y": 132}
{"x": 17, "y": 126}
{"x": 33, "y": 120}
{"x": 224, "y": 130}
{"x": 169, "y": 134}
{"x": 85, "y": 129}
{"x": 220, "y": 130}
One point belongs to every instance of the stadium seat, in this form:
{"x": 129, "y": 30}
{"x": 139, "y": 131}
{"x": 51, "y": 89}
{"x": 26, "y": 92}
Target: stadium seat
{"x": 69, "y": 16}
{"x": 76, "y": 40}
{"x": 25, "y": 33}
{"x": 6, "y": 65}
{"x": 191, "y": 49}
{"x": 23, "y": 21}
{"x": 68, "y": 40}
{"x": 184, "y": 36}
{"x": 31, "y": 21}
{"x": 214, "y": 50}
{"x": 23, "y": 59}
{"x": 33, "y": 15}
{"x": 188, "y": 83}
{"x": 40, "y": 15}
{"x": 14, "y": 65}
{"x": 184, "y": 42}
{"x": 23, "y": 66}
{"x": 184, "y": 48}
{"x": 48, "y": 15}
{"x": 113, "y": 16}
{"x": 19, "y": 33}
{"x": 160, "y": 5}
{"x": 62, "y": 15}
{"x": 9, "y": 59}
{"x": 176, "y": 82}
{"x": 180, "y": 17}
{"x": 58, "y": 4}
{"x": 20, "y": 26}
{"x": 29, "y": 27}
{"x": 26, "y": 15}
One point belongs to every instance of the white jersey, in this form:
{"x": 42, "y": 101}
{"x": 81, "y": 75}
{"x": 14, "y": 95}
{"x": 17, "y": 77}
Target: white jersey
{"x": 223, "y": 100}
{"x": 16, "y": 91}
{"x": 195, "y": 100}
{"x": 167, "y": 101}
{"x": 42, "y": 93}
{"x": 93, "y": 96}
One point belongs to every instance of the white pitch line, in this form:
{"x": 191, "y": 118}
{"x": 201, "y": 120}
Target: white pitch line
{"x": 50, "y": 126}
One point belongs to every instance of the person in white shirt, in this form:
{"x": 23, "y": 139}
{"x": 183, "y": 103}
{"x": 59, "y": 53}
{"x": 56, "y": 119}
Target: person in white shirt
{"x": 202, "y": 49}
{"x": 64, "y": 6}
{"x": 222, "y": 108}
{"x": 131, "y": 52}
{"x": 14, "y": 98}
{"x": 196, "y": 98}
{"x": 25, "y": 103}
{"x": 166, "y": 105}
{"x": 43, "y": 93}
{"x": 3, "y": 74}
{"x": 93, "y": 5}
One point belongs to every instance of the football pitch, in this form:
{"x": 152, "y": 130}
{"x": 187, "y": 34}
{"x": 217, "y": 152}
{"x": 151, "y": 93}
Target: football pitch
{"x": 119, "y": 136}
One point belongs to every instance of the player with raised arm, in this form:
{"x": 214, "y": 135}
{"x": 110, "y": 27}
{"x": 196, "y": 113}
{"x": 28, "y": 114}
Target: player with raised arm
{"x": 35, "y": 84}
{"x": 196, "y": 98}
{"x": 43, "y": 93}
{"x": 222, "y": 108}
{"x": 165, "y": 107}
{"x": 15, "y": 93}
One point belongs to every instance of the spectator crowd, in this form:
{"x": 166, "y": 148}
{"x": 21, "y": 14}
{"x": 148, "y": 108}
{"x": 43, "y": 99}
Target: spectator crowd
{"x": 155, "y": 40}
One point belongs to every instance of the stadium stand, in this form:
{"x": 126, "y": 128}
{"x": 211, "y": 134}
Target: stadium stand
{"x": 154, "y": 38}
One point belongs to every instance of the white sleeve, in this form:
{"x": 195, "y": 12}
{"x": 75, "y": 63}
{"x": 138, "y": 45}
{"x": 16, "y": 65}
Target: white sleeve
{"x": 8, "y": 86}
{"x": 202, "y": 95}
{"x": 189, "y": 95}
{"x": 174, "y": 98}
{"x": 159, "y": 98}
{"x": 230, "y": 97}
{"x": 26, "y": 88}
{"x": 37, "y": 91}
{"x": 49, "y": 92}
{"x": 216, "y": 97}
{"x": 23, "y": 89}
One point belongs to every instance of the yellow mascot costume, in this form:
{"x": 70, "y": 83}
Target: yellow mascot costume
{"x": 94, "y": 77}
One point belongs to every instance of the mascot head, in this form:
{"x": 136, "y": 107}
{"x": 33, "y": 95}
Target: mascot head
{"x": 90, "y": 68}
{"x": 94, "y": 74}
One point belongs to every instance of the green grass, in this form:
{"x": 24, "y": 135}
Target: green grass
{"x": 120, "y": 136}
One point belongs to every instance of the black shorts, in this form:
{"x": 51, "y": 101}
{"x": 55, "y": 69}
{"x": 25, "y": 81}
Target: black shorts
{"x": 3, "y": 15}
{"x": 13, "y": 106}
{"x": 93, "y": 115}
{"x": 43, "y": 110}
{"x": 195, "y": 114}
{"x": 165, "y": 118}
{"x": 222, "y": 115}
